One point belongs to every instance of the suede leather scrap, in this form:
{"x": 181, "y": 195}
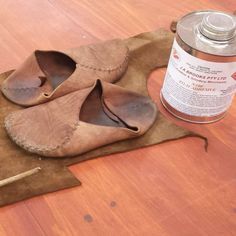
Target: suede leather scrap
{"x": 148, "y": 51}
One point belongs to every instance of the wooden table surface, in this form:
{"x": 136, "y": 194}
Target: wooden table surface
{"x": 172, "y": 189}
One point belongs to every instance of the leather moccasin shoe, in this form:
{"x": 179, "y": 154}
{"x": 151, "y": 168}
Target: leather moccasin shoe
{"x": 46, "y": 75}
{"x": 81, "y": 121}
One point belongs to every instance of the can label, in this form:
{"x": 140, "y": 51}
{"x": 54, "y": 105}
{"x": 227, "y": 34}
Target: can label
{"x": 197, "y": 87}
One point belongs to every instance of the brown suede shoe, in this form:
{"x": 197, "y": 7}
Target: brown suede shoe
{"x": 81, "y": 121}
{"x": 46, "y": 75}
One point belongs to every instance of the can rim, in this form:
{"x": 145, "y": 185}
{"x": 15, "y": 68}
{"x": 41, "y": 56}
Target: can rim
{"x": 184, "y": 34}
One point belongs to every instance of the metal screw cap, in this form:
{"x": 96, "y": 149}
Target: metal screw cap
{"x": 218, "y": 26}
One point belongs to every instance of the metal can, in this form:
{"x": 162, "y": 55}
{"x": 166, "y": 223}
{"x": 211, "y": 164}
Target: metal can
{"x": 200, "y": 81}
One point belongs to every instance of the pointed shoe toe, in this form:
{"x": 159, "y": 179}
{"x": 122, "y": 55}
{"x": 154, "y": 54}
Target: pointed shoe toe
{"x": 27, "y": 84}
{"x": 82, "y": 121}
{"x": 46, "y": 75}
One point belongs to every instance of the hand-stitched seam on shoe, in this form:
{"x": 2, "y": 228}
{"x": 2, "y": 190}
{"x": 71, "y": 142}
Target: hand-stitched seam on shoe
{"x": 106, "y": 69}
{"x": 39, "y": 149}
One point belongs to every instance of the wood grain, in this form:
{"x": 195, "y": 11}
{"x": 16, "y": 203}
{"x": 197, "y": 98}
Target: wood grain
{"x": 170, "y": 189}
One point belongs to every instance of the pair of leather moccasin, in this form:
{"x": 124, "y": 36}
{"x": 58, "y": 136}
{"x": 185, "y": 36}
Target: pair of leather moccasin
{"x": 77, "y": 106}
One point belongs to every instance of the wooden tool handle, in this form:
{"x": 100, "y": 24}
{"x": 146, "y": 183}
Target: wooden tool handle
{"x": 19, "y": 176}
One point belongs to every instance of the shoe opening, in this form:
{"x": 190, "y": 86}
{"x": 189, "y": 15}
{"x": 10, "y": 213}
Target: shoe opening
{"x": 56, "y": 66}
{"x": 95, "y": 111}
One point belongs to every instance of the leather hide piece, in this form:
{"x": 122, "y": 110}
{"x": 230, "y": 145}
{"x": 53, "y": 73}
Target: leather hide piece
{"x": 148, "y": 51}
